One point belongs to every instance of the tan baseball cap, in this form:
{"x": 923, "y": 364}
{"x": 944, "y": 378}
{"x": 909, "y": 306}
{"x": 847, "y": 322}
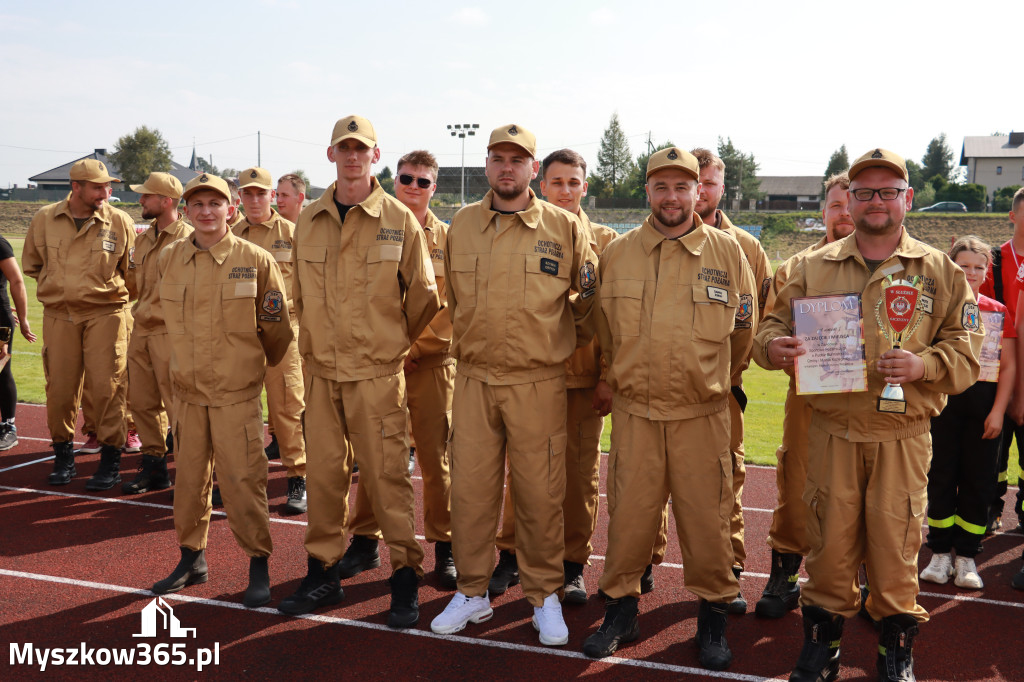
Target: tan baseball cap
{"x": 91, "y": 170}
{"x": 673, "y": 157}
{"x": 514, "y": 134}
{"x": 164, "y": 184}
{"x": 255, "y": 177}
{"x": 355, "y": 127}
{"x": 207, "y": 181}
{"x": 882, "y": 158}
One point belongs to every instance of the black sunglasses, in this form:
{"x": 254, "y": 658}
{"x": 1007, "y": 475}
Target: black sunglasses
{"x": 422, "y": 183}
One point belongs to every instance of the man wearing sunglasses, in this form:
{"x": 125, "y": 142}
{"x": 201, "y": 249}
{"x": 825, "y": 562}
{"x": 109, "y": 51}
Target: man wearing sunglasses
{"x": 867, "y": 469}
{"x": 429, "y": 382}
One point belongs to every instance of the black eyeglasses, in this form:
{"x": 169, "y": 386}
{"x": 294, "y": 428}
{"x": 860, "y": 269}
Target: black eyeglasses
{"x": 422, "y": 183}
{"x": 887, "y": 193}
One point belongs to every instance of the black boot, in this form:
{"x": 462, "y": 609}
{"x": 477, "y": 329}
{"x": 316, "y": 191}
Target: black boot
{"x": 152, "y": 476}
{"x": 258, "y": 592}
{"x": 63, "y": 464}
{"x": 405, "y": 601}
{"x": 505, "y": 575}
{"x": 738, "y": 606}
{"x": 191, "y": 570}
{"x": 170, "y": 441}
{"x": 819, "y": 659}
{"x": 273, "y": 451}
{"x": 714, "y": 650}
{"x": 444, "y": 566}
{"x": 575, "y": 588}
{"x": 362, "y": 555}
{"x": 896, "y": 648}
{"x": 320, "y": 587}
{"x": 647, "y": 580}
{"x": 619, "y": 627}
{"x": 782, "y": 593}
{"x": 106, "y": 476}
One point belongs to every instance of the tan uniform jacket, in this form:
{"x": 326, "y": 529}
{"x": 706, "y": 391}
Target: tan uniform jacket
{"x": 363, "y": 289}
{"x": 509, "y": 283}
{"x": 583, "y": 368}
{"x": 948, "y": 338}
{"x": 226, "y": 318}
{"x": 144, "y": 277}
{"x": 436, "y": 340}
{"x": 274, "y": 236}
{"x": 677, "y": 315}
{"x": 80, "y": 273}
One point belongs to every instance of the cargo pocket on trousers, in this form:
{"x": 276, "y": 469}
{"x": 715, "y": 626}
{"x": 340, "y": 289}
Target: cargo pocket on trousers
{"x": 394, "y": 456}
{"x": 254, "y": 443}
{"x": 556, "y": 464}
{"x": 446, "y": 459}
{"x": 814, "y": 500}
{"x": 917, "y": 501}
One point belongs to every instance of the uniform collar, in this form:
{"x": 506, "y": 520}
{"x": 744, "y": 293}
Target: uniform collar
{"x": 175, "y": 230}
{"x": 371, "y": 205}
{"x": 588, "y": 228}
{"x": 692, "y": 241}
{"x": 908, "y": 247}
{"x": 432, "y": 221}
{"x": 219, "y": 251}
{"x": 723, "y": 221}
{"x": 274, "y": 217}
{"x": 101, "y": 214}
{"x": 529, "y": 215}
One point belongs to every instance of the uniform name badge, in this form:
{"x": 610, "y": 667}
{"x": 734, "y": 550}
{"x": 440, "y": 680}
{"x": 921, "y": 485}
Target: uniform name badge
{"x": 897, "y": 316}
{"x": 832, "y": 331}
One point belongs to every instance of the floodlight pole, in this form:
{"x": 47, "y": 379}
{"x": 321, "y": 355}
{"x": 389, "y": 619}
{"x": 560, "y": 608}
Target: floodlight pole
{"x": 461, "y": 130}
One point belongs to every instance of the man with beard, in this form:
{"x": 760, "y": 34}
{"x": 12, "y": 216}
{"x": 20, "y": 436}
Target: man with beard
{"x": 149, "y": 351}
{"x": 787, "y": 536}
{"x": 677, "y": 304}
{"x": 512, "y": 265}
{"x": 868, "y": 458}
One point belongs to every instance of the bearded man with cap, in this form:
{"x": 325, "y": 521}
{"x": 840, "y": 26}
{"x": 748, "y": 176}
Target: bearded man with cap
{"x": 79, "y": 251}
{"x": 678, "y": 315}
{"x": 868, "y": 458}
{"x": 149, "y": 351}
{"x": 264, "y": 227}
{"x": 364, "y": 291}
{"x": 224, "y": 305}
{"x": 513, "y": 265}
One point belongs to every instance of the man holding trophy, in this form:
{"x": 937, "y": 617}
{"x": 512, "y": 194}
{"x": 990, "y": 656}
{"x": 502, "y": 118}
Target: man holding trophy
{"x": 869, "y": 446}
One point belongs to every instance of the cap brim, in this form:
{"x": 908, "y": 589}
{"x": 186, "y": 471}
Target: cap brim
{"x": 205, "y": 188}
{"x": 355, "y": 136}
{"x": 515, "y": 144}
{"x": 688, "y": 171}
{"x": 140, "y": 189}
{"x": 878, "y": 163}
{"x": 255, "y": 184}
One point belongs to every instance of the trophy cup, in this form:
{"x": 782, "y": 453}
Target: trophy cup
{"x": 899, "y": 302}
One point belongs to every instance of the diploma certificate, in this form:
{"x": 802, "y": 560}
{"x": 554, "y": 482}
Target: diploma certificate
{"x": 832, "y": 330}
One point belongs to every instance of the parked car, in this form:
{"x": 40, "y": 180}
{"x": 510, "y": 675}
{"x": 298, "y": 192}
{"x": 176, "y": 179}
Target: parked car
{"x": 944, "y": 207}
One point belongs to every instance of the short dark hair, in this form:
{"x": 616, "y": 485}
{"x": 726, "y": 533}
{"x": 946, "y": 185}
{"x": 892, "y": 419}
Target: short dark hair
{"x": 419, "y": 157}
{"x": 841, "y": 179}
{"x": 706, "y": 157}
{"x": 566, "y": 156}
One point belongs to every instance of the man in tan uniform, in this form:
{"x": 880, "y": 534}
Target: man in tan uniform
{"x": 787, "y": 536}
{"x": 867, "y": 469}
{"x": 678, "y": 315}
{"x": 564, "y": 184}
{"x": 291, "y": 195}
{"x": 429, "y": 382}
{"x": 225, "y": 307}
{"x": 266, "y": 228}
{"x": 512, "y": 263}
{"x": 364, "y": 290}
{"x": 79, "y": 251}
{"x": 149, "y": 351}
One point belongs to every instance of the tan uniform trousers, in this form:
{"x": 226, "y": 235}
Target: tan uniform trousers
{"x": 230, "y": 440}
{"x": 365, "y": 421}
{"x": 149, "y": 390}
{"x": 285, "y": 404}
{"x": 649, "y": 458}
{"x": 86, "y": 362}
{"x": 429, "y": 393}
{"x": 528, "y": 421}
{"x": 788, "y": 533}
{"x": 866, "y": 503}
{"x": 582, "y": 474}
{"x": 739, "y": 475}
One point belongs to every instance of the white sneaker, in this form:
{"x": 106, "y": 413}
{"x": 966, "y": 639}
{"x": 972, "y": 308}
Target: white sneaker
{"x": 967, "y": 574}
{"x": 548, "y": 621}
{"x": 939, "y": 569}
{"x": 461, "y": 610}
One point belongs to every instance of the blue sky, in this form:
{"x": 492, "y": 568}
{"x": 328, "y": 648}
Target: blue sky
{"x": 787, "y": 81}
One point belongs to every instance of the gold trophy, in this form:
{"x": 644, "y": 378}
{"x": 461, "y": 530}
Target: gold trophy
{"x": 899, "y": 301}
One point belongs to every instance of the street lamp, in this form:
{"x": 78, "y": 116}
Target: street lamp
{"x": 461, "y": 130}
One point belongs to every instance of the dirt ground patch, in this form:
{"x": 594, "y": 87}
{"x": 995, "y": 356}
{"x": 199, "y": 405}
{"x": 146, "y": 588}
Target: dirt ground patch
{"x": 15, "y": 216}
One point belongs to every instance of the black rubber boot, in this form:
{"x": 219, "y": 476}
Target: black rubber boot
{"x": 320, "y": 587}
{"x": 896, "y": 648}
{"x": 63, "y": 464}
{"x": 405, "y": 601}
{"x": 782, "y": 593}
{"x": 107, "y": 475}
{"x": 819, "y": 659}
{"x": 619, "y": 627}
{"x": 575, "y": 588}
{"x": 170, "y": 441}
{"x": 506, "y": 573}
{"x": 714, "y": 650}
{"x": 647, "y": 580}
{"x": 258, "y": 592}
{"x": 191, "y": 570}
{"x": 738, "y": 606}
{"x": 152, "y": 476}
{"x": 444, "y": 566}
{"x": 362, "y": 555}
{"x": 273, "y": 451}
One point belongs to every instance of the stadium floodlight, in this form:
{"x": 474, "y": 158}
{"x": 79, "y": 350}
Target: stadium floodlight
{"x": 462, "y": 130}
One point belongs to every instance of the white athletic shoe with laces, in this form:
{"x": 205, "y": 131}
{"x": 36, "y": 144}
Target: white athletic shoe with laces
{"x": 939, "y": 569}
{"x": 548, "y": 621}
{"x": 967, "y": 574}
{"x": 460, "y": 611}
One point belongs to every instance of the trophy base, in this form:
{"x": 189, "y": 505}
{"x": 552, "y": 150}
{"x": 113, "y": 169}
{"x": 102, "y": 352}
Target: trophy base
{"x": 892, "y": 406}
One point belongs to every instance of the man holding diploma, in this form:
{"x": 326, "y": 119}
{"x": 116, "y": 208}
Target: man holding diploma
{"x": 868, "y": 469}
